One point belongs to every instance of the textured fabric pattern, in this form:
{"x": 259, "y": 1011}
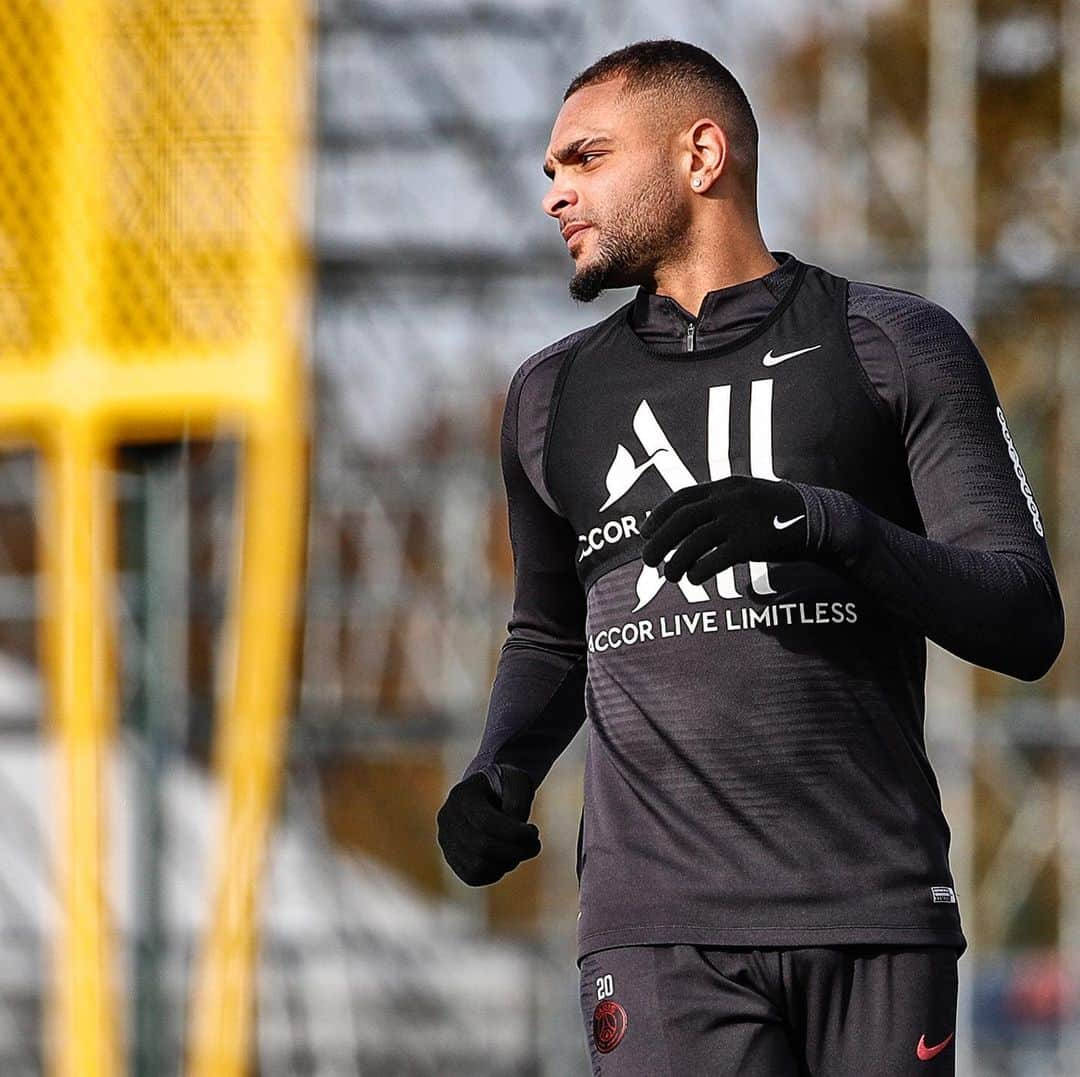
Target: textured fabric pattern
{"x": 969, "y": 601}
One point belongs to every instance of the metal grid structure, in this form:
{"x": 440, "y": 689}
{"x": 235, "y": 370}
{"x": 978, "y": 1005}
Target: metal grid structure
{"x": 153, "y": 286}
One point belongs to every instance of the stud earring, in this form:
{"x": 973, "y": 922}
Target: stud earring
{"x": 696, "y": 182}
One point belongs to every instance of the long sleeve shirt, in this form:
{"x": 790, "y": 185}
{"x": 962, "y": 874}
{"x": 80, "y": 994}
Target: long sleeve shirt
{"x": 972, "y": 572}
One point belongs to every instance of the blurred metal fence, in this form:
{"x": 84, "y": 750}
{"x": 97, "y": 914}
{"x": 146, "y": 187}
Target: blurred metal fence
{"x": 152, "y": 286}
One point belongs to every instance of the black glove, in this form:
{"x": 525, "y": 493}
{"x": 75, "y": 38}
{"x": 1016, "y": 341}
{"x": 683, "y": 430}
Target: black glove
{"x": 745, "y": 519}
{"x": 483, "y": 827}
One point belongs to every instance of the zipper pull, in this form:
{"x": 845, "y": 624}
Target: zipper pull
{"x": 690, "y": 336}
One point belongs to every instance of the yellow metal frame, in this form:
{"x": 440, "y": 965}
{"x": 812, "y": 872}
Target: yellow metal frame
{"x": 76, "y": 404}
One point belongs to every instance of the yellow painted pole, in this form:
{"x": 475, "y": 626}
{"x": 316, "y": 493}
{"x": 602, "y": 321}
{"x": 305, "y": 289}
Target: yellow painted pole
{"x": 77, "y": 543}
{"x": 126, "y": 354}
{"x": 80, "y": 563}
{"x": 250, "y": 742}
{"x": 253, "y": 716}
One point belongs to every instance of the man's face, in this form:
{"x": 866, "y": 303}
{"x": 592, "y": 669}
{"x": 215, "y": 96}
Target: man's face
{"x": 612, "y": 171}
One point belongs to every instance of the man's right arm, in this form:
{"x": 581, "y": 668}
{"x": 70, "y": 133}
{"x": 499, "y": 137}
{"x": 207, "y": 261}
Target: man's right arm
{"x": 537, "y": 701}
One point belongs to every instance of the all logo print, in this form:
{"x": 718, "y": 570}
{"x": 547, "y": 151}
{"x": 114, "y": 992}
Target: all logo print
{"x": 608, "y": 1025}
{"x": 660, "y": 455}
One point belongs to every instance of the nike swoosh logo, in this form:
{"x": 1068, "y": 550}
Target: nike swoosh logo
{"x": 926, "y": 1053}
{"x": 771, "y": 360}
{"x": 781, "y": 524}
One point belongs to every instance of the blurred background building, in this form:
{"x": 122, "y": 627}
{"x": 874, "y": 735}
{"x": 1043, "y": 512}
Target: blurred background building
{"x": 932, "y": 145}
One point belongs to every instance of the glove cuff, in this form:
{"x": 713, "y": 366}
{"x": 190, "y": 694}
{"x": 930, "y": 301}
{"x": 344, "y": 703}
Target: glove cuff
{"x": 514, "y": 790}
{"x": 494, "y": 777}
{"x": 836, "y": 525}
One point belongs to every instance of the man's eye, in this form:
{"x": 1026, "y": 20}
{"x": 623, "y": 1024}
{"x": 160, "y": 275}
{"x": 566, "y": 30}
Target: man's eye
{"x": 585, "y": 157}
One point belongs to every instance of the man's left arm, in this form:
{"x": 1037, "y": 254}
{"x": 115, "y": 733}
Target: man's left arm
{"x": 980, "y": 583}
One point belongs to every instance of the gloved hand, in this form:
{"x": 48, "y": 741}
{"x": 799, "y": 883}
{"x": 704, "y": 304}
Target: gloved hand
{"x": 744, "y": 518}
{"x": 483, "y": 827}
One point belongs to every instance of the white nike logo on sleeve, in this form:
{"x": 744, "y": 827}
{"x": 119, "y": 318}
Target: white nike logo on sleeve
{"x": 771, "y": 360}
{"x": 781, "y": 524}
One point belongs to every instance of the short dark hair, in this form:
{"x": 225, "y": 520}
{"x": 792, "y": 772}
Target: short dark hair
{"x": 682, "y": 71}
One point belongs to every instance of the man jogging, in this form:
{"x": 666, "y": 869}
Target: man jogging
{"x": 738, "y": 507}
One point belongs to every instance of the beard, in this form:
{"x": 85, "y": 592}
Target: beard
{"x": 637, "y": 238}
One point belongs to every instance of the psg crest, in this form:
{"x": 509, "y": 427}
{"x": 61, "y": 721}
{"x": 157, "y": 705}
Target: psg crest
{"x": 608, "y": 1025}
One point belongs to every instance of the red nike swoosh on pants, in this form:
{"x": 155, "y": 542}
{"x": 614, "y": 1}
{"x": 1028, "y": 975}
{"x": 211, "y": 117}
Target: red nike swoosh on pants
{"x": 926, "y": 1053}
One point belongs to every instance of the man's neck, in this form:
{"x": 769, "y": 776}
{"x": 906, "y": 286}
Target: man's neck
{"x": 689, "y": 281}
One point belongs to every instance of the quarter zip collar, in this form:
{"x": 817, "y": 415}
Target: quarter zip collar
{"x": 726, "y": 313}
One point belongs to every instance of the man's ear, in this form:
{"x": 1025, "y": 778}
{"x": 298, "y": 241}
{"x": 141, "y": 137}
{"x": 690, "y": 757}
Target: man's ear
{"x": 708, "y": 153}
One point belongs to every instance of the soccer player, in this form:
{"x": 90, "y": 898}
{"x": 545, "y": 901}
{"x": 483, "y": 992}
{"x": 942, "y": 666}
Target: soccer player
{"x": 738, "y": 508}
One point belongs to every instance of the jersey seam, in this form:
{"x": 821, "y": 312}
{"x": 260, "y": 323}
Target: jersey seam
{"x": 895, "y": 347}
{"x": 517, "y": 425}
{"x": 881, "y": 407}
{"x": 553, "y": 409}
{"x": 542, "y": 713}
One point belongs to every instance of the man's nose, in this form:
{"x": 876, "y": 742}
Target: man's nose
{"x": 557, "y": 199}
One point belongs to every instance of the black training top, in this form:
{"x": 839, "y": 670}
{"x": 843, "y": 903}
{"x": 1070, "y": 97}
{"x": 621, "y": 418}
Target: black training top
{"x": 756, "y": 773}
